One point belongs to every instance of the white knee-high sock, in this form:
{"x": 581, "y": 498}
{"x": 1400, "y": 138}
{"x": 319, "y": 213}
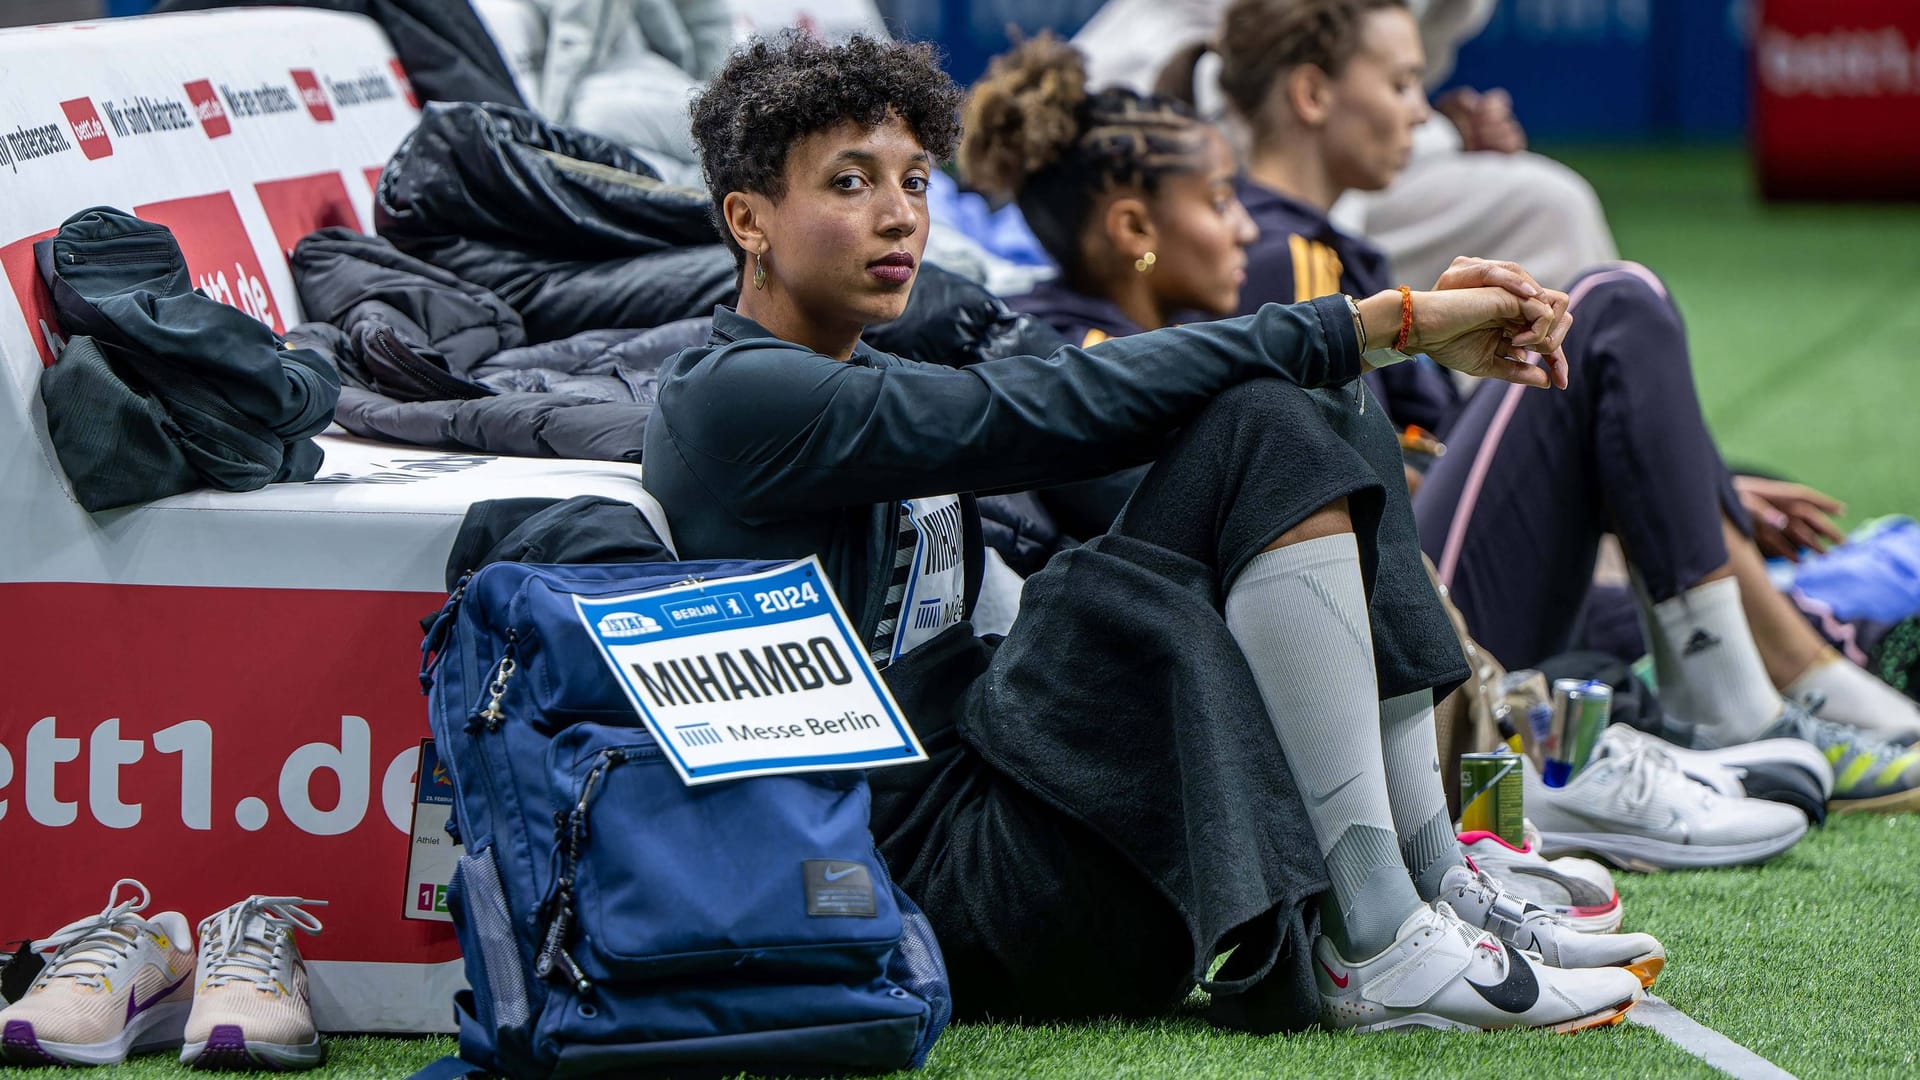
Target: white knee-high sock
{"x": 1709, "y": 669}
{"x": 1411, "y": 753}
{"x": 1299, "y": 614}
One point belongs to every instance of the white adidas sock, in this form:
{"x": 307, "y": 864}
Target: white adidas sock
{"x": 1709, "y": 669}
{"x": 1857, "y": 698}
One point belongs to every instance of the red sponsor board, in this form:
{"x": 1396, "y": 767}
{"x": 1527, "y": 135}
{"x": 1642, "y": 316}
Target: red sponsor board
{"x": 1836, "y": 92}
{"x": 36, "y": 303}
{"x": 208, "y": 108}
{"x": 220, "y": 258}
{"x": 406, "y": 85}
{"x": 312, "y": 95}
{"x": 154, "y": 751}
{"x": 301, "y": 204}
{"x": 88, "y": 128}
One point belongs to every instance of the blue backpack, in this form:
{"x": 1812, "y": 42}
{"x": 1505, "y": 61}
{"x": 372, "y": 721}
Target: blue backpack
{"x": 615, "y": 920}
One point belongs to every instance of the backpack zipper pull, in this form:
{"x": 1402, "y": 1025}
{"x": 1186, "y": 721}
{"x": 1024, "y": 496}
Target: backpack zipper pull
{"x": 556, "y": 930}
{"x": 493, "y": 714}
{"x": 554, "y": 947}
{"x": 574, "y": 825}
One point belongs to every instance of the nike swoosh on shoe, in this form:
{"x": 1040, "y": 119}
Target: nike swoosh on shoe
{"x": 1338, "y": 980}
{"x": 1518, "y": 992}
{"x": 135, "y": 1006}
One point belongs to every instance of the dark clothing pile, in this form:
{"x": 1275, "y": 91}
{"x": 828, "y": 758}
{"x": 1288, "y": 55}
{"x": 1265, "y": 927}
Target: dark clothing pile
{"x": 161, "y": 390}
{"x": 1105, "y": 808}
{"x": 528, "y": 283}
{"x": 571, "y": 230}
{"x": 582, "y": 529}
{"x": 445, "y": 48}
{"x": 429, "y": 359}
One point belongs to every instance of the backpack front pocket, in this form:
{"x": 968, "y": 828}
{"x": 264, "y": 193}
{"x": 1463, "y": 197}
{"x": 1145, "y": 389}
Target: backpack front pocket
{"x": 772, "y": 873}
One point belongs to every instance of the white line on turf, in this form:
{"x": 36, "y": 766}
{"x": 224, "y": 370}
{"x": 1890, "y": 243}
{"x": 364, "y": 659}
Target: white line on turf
{"x": 1703, "y": 1042}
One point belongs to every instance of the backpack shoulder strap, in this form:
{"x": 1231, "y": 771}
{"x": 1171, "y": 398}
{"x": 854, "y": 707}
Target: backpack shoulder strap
{"x": 449, "y": 1068}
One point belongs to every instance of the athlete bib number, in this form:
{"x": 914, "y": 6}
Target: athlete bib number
{"x": 936, "y": 589}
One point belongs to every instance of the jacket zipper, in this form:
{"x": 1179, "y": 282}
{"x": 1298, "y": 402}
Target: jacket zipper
{"x": 387, "y": 347}
{"x": 115, "y": 258}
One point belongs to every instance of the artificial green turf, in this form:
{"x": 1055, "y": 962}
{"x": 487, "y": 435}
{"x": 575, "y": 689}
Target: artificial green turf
{"x": 1804, "y": 321}
{"x": 1809, "y": 961}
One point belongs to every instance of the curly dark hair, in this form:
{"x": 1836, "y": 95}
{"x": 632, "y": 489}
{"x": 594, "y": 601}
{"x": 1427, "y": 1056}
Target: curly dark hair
{"x": 1038, "y": 137}
{"x": 775, "y": 92}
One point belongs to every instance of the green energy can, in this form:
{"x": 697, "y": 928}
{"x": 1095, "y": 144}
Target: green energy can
{"x": 1581, "y": 711}
{"x": 1491, "y": 794}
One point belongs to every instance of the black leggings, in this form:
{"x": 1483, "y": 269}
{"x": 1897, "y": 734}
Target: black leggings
{"x": 1512, "y": 516}
{"x": 1106, "y": 799}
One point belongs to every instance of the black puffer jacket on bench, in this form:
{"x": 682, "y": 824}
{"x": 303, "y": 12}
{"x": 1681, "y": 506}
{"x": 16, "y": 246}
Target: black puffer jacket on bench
{"x": 573, "y": 231}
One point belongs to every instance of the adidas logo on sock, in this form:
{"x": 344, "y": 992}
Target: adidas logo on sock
{"x": 1700, "y": 642}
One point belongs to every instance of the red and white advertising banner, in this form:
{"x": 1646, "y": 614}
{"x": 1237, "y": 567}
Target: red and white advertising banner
{"x": 215, "y": 693}
{"x": 1836, "y": 87}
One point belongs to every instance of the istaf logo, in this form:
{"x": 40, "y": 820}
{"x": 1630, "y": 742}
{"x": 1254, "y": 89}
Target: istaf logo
{"x": 314, "y": 97}
{"x": 87, "y": 128}
{"x": 206, "y": 106}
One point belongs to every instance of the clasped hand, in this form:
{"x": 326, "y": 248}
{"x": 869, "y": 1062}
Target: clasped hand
{"x": 1484, "y": 318}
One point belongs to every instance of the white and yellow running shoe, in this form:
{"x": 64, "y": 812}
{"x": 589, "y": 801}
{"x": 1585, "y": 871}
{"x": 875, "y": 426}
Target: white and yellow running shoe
{"x": 116, "y": 984}
{"x": 250, "y": 1004}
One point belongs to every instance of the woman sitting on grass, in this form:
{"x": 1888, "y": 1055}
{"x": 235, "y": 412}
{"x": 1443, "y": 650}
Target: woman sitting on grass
{"x": 1115, "y": 791}
{"x": 1331, "y": 92}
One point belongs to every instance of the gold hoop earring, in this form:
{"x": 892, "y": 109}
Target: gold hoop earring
{"x": 1144, "y": 263}
{"x": 759, "y": 272}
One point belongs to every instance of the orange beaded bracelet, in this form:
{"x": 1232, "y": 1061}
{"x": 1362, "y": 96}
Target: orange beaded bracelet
{"x": 1406, "y": 319}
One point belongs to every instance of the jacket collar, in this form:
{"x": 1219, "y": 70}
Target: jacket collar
{"x": 1279, "y": 214}
{"x": 1300, "y": 217}
{"x": 729, "y": 326}
{"x": 1075, "y": 315}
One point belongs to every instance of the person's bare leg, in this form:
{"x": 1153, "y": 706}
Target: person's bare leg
{"x": 1788, "y": 646}
{"x": 1299, "y": 614}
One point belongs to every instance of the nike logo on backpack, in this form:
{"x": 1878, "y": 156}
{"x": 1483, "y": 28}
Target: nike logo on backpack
{"x": 1701, "y": 641}
{"x": 1518, "y": 992}
{"x": 836, "y": 873}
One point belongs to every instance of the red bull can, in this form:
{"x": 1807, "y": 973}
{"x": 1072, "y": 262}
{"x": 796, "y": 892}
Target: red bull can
{"x": 1581, "y": 711}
